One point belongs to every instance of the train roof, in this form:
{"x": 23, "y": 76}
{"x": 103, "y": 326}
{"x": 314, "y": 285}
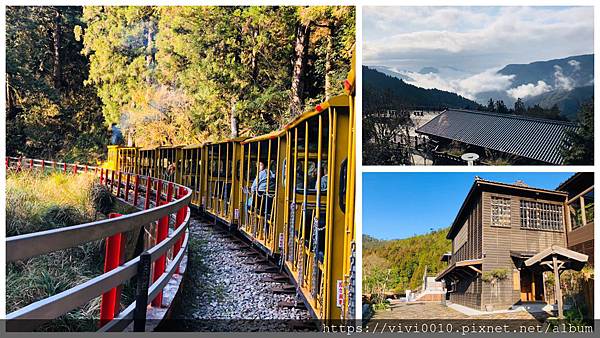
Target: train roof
{"x": 234, "y": 139}
{"x": 265, "y": 137}
{"x": 336, "y": 101}
{"x": 194, "y": 146}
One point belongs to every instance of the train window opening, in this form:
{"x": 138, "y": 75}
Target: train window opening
{"x": 343, "y": 180}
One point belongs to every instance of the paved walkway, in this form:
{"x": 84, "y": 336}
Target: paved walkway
{"x": 435, "y": 310}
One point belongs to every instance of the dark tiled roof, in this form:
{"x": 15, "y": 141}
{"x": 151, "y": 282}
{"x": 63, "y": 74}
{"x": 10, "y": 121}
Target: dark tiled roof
{"x": 533, "y": 138}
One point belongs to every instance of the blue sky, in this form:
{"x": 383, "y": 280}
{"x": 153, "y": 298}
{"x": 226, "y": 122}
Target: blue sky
{"x": 400, "y": 205}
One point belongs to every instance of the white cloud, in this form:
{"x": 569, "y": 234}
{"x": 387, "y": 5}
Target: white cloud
{"x": 562, "y": 81}
{"x": 474, "y": 38}
{"x": 575, "y": 64}
{"x": 529, "y": 89}
{"x": 468, "y": 87}
{"x": 486, "y": 81}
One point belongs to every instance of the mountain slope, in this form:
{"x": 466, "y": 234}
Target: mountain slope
{"x": 568, "y": 101}
{"x": 375, "y": 81}
{"x": 405, "y": 259}
{"x": 388, "y": 71}
{"x": 578, "y": 69}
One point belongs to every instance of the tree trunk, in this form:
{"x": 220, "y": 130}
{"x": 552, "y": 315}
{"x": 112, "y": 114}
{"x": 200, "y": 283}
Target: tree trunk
{"x": 234, "y": 119}
{"x": 56, "y": 33}
{"x": 301, "y": 53}
{"x": 149, "y": 52}
{"x": 329, "y": 63}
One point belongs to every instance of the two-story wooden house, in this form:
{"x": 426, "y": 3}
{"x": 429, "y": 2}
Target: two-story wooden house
{"x": 503, "y": 239}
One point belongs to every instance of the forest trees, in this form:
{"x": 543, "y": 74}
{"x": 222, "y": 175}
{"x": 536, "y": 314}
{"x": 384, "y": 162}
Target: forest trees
{"x": 578, "y": 147}
{"x": 386, "y": 139}
{"x": 174, "y": 75}
{"x": 49, "y": 112}
{"x": 167, "y": 75}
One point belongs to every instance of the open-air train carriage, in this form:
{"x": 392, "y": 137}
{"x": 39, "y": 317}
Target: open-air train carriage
{"x": 315, "y": 176}
{"x": 262, "y": 191}
{"x": 192, "y": 172}
{"x": 126, "y": 159}
{"x": 349, "y": 268}
{"x": 300, "y": 208}
{"x": 168, "y": 161}
{"x": 147, "y": 161}
{"x": 220, "y": 198}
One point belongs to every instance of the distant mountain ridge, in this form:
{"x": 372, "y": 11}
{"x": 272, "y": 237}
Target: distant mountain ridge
{"x": 375, "y": 80}
{"x": 571, "y": 79}
{"x": 579, "y": 69}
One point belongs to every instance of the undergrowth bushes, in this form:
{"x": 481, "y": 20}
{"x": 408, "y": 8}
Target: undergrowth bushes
{"x": 35, "y": 202}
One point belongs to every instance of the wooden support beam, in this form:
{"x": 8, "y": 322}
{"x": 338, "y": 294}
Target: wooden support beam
{"x": 475, "y": 269}
{"x": 557, "y": 288}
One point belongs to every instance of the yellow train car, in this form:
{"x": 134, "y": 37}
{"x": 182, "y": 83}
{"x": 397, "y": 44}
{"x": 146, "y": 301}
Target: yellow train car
{"x": 220, "y": 198}
{"x": 111, "y": 158}
{"x": 262, "y": 191}
{"x": 127, "y": 159}
{"x": 349, "y": 269}
{"x": 316, "y": 177}
{"x": 168, "y": 160}
{"x": 192, "y": 172}
{"x": 147, "y": 161}
{"x": 292, "y": 192}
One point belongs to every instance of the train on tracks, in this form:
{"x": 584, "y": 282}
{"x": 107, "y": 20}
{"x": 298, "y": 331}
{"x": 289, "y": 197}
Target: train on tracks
{"x": 290, "y": 192}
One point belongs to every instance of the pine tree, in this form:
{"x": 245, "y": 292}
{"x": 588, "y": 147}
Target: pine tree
{"x": 501, "y": 107}
{"x": 490, "y": 106}
{"x": 519, "y": 107}
{"x": 578, "y": 147}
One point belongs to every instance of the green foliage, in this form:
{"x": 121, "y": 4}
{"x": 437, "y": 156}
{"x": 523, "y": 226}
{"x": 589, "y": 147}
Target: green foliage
{"x": 50, "y": 113}
{"x": 578, "y": 147}
{"x": 168, "y": 75}
{"x": 39, "y": 201}
{"x": 400, "y": 264}
{"x": 495, "y": 275}
{"x": 174, "y": 75}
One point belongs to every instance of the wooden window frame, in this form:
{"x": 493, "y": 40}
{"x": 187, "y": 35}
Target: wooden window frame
{"x": 502, "y": 215}
{"x": 543, "y": 224}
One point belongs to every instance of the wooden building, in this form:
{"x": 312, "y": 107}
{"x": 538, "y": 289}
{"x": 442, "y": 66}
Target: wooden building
{"x": 503, "y": 239}
{"x": 520, "y": 139}
{"x": 580, "y": 224}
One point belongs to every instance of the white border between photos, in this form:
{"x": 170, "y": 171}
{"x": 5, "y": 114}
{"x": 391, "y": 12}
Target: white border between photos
{"x": 360, "y": 169}
{"x": 530, "y": 168}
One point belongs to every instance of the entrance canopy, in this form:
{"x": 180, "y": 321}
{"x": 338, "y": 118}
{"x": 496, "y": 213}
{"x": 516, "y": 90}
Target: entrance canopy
{"x": 557, "y": 259}
{"x": 460, "y": 270}
{"x": 567, "y": 259}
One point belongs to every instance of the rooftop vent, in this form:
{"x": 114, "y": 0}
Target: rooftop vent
{"x": 520, "y": 183}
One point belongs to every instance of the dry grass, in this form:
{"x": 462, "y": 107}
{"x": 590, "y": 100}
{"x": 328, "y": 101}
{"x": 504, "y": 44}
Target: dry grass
{"x": 37, "y": 202}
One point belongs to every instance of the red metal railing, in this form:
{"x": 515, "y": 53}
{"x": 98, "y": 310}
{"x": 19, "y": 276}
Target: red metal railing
{"x": 116, "y": 271}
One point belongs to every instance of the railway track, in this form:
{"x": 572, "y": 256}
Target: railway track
{"x": 231, "y": 286}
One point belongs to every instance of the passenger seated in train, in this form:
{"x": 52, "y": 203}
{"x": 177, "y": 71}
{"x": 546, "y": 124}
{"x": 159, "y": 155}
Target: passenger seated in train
{"x": 259, "y": 185}
{"x": 324, "y": 177}
{"x": 169, "y": 174}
